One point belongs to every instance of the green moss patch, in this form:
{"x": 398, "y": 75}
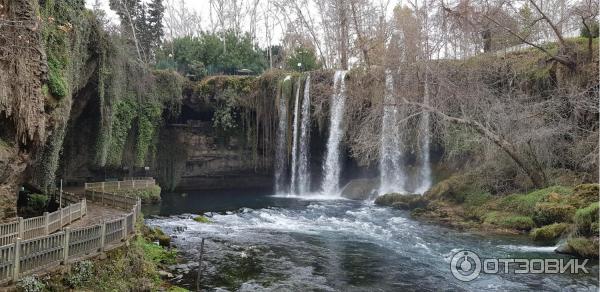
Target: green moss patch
{"x": 549, "y": 232}
{"x": 586, "y": 219}
{"x": 584, "y": 247}
{"x": 548, "y": 213}
{"x": 509, "y": 220}
{"x": 202, "y": 219}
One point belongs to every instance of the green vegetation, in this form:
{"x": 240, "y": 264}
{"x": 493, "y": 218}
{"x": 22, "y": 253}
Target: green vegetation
{"x": 550, "y": 213}
{"x": 202, "y": 219}
{"x": 149, "y": 195}
{"x": 549, "y": 232}
{"x": 304, "y": 56}
{"x": 586, "y": 219}
{"x": 584, "y": 247}
{"x": 508, "y": 220}
{"x": 211, "y": 54}
{"x": 400, "y": 201}
{"x": 156, "y": 235}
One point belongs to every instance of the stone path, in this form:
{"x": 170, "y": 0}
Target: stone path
{"x": 96, "y": 213}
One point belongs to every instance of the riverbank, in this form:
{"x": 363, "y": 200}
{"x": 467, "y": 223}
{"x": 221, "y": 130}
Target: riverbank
{"x": 562, "y": 215}
{"x": 137, "y": 266}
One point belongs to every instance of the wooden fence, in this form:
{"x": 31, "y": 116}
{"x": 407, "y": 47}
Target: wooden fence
{"x": 24, "y": 257}
{"x": 134, "y": 183}
{"x": 41, "y": 225}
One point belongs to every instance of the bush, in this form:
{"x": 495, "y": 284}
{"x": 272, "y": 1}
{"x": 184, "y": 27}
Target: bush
{"x": 585, "y": 194}
{"x": 548, "y": 232}
{"x": 30, "y": 284}
{"x": 584, "y": 247}
{"x": 453, "y": 189}
{"x": 157, "y": 235}
{"x": 80, "y": 274}
{"x": 548, "y": 213}
{"x": 150, "y": 195}
{"x": 586, "y": 219}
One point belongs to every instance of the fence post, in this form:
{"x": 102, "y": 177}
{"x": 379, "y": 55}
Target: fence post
{"x": 124, "y": 226}
{"x": 21, "y": 227}
{"x": 46, "y": 222}
{"x": 133, "y": 184}
{"x": 17, "y": 262}
{"x": 118, "y": 185}
{"x": 103, "y": 187}
{"x": 84, "y": 207}
{"x": 66, "y": 245}
{"x": 102, "y": 235}
{"x": 70, "y": 213}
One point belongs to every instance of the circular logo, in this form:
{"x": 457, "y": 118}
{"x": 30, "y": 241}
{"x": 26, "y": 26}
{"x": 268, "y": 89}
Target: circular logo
{"x": 465, "y": 265}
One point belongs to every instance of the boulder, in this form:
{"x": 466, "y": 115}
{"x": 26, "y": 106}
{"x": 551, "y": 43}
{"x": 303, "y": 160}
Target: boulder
{"x": 360, "y": 189}
{"x": 402, "y": 201}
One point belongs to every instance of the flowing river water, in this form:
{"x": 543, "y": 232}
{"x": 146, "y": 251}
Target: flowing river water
{"x": 263, "y": 243}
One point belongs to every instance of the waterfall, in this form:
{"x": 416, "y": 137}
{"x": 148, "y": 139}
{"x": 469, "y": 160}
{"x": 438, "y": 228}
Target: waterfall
{"x": 425, "y": 166}
{"x": 332, "y": 166}
{"x": 303, "y": 166}
{"x": 393, "y": 178}
{"x": 280, "y": 151}
{"x": 293, "y": 181}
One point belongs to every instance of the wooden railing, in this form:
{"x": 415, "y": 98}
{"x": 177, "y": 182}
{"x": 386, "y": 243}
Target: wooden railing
{"x": 134, "y": 183}
{"x": 41, "y": 225}
{"x": 25, "y": 257}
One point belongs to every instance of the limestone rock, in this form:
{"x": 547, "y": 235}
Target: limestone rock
{"x": 360, "y": 189}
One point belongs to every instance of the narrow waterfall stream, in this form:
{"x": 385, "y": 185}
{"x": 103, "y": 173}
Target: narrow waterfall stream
{"x": 281, "y": 153}
{"x": 392, "y": 173}
{"x": 295, "y": 142}
{"x": 425, "y": 166}
{"x": 304, "y": 155}
{"x": 331, "y": 167}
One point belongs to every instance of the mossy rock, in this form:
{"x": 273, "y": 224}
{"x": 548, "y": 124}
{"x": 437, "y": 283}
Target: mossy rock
{"x": 526, "y": 203}
{"x": 509, "y": 220}
{"x": 586, "y": 219}
{"x": 202, "y": 219}
{"x": 548, "y": 213}
{"x": 403, "y": 202}
{"x": 584, "y": 247}
{"x": 156, "y": 235}
{"x": 360, "y": 189}
{"x": 451, "y": 189}
{"x": 549, "y": 232}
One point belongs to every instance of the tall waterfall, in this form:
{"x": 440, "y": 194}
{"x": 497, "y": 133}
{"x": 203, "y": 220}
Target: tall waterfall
{"x": 303, "y": 166}
{"x": 280, "y": 151}
{"x": 332, "y": 166}
{"x": 392, "y": 173}
{"x": 293, "y": 181}
{"x": 425, "y": 167}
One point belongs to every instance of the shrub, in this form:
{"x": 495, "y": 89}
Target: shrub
{"x": 548, "y": 232}
{"x": 80, "y": 274}
{"x": 156, "y": 234}
{"x": 586, "y": 219}
{"x": 585, "y": 194}
{"x": 548, "y": 213}
{"x": 30, "y": 284}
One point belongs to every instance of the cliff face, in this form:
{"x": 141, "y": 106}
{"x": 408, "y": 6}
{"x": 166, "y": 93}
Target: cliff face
{"x": 24, "y": 120}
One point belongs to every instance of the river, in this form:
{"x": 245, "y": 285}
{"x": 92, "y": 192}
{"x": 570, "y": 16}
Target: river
{"x": 263, "y": 243}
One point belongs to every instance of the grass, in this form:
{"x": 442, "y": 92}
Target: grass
{"x": 156, "y": 253}
{"x": 525, "y": 203}
{"x": 508, "y": 220}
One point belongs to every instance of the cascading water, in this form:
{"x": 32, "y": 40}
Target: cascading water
{"x": 332, "y": 166}
{"x": 303, "y": 166}
{"x": 293, "y": 181}
{"x": 425, "y": 167}
{"x": 280, "y": 152}
{"x": 393, "y": 178}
